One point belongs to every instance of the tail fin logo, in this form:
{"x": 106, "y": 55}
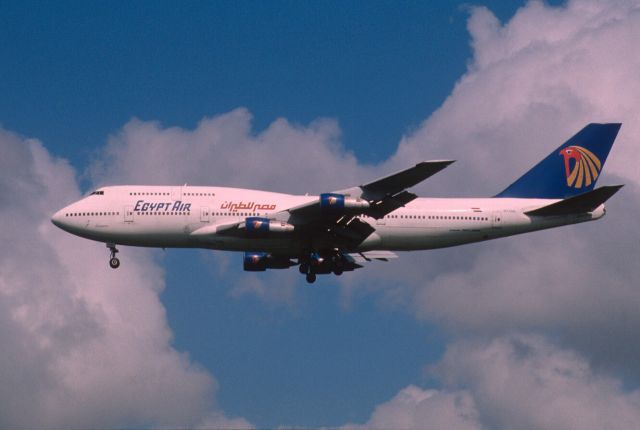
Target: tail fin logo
{"x": 586, "y": 166}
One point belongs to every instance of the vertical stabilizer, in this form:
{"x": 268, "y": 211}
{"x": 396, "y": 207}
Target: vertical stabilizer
{"x": 571, "y": 169}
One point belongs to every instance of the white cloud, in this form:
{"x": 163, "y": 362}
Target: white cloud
{"x": 82, "y": 345}
{"x": 511, "y": 382}
{"x": 415, "y": 408}
{"x": 524, "y": 382}
{"x": 224, "y": 151}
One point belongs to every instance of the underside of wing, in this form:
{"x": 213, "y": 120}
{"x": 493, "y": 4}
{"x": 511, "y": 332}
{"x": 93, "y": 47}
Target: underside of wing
{"x": 250, "y": 226}
{"x": 362, "y": 257}
{"x": 212, "y": 229}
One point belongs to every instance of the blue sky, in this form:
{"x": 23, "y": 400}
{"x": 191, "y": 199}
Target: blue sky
{"x": 76, "y": 73}
{"x": 79, "y": 70}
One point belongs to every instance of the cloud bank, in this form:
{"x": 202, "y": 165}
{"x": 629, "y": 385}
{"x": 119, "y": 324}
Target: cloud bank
{"x": 512, "y": 382}
{"x": 286, "y": 157}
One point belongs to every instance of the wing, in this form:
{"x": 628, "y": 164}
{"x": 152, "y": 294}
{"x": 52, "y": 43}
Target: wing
{"x": 375, "y": 199}
{"x": 212, "y": 229}
{"x": 336, "y": 215}
{"x": 394, "y": 184}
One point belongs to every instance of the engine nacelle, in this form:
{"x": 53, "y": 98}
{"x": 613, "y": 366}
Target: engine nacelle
{"x": 258, "y": 226}
{"x": 338, "y": 203}
{"x": 261, "y": 261}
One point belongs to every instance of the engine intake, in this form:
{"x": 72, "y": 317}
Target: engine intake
{"x": 338, "y": 203}
{"x": 261, "y": 261}
{"x": 258, "y": 226}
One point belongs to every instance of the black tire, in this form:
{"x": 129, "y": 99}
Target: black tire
{"x": 114, "y": 263}
{"x": 311, "y": 277}
{"x": 338, "y": 271}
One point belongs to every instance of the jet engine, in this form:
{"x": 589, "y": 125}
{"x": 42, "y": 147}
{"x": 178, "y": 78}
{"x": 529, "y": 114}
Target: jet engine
{"x": 258, "y": 226}
{"x": 261, "y": 261}
{"x": 338, "y": 203}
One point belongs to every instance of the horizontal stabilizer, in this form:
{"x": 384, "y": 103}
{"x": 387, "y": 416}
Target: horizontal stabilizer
{"x": 582, "y": 203}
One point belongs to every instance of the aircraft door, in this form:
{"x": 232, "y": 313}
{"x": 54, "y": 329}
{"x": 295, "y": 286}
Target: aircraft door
{"x": 176, "y": 193}
{"x": 496, "y": 219}
{"x": 128, "y": 214}
{"x": 204, "y": 214}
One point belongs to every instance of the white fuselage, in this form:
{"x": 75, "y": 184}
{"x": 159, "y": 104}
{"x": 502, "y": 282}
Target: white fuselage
{"x": 168, "y": 216}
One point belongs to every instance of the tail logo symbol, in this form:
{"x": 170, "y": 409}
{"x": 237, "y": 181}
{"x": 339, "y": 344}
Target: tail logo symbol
{"x": 586, "y": 166}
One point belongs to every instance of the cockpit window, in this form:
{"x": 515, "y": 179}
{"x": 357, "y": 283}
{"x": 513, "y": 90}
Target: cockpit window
{"x": 97, "y": 193}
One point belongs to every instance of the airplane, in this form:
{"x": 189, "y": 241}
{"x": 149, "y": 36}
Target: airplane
{"x": 339, "y": 231}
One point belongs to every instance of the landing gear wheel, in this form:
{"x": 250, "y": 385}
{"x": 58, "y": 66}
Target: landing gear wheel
{"x": 114, "y": 262}
{"x": 304, "y": 268}
{"x": 311, "y": 277}
{"x": 338, "y": 271}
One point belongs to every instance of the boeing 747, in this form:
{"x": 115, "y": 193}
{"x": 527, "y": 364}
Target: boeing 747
{"x": 340, "y": 230}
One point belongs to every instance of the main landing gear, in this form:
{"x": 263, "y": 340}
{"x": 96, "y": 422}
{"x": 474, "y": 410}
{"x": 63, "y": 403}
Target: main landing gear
{"x": 311, "y": 277}
{"x": 114, "y": 262}
{"x": 306, "y": 269}
{"x": 309, "y": 272}
{"x": 315, "y": 264}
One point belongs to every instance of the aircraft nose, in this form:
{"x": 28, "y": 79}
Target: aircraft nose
{"x": 57, "y": 218}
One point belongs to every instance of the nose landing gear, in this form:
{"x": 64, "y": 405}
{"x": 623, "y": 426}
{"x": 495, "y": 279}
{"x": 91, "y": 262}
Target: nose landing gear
{"x": 114, "y": 262}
